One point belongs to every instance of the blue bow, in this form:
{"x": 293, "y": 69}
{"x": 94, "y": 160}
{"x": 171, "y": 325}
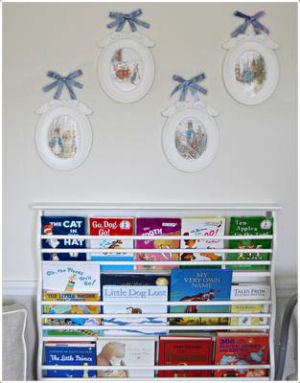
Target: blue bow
{"x": 185, "y": 85}
{"x": 61, "y": 81}
{"x": 131, "y": 18}
{"x": 250, "y": 20}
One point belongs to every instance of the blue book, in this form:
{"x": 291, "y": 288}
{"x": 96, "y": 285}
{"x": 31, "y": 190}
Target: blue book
{"x": 65, "y": 354}
{"x": 57, "y": 225}
{"x": 199, "y": 285}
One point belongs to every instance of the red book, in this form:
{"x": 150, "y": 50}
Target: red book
{"x": 186, "y": 351}
{"x": 241, "y": 349}
{"x": 111, "y": 226}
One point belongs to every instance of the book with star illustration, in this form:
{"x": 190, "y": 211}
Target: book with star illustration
{"x": 57, "y": 225}
{"x": 241, "y": 350}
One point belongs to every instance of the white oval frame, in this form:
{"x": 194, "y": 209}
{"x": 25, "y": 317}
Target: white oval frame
{"x": 137, "y": 42}
{"x": 175, "y": 114}
{"x": 238, "y": 46}
{"x": 77, "y": 111}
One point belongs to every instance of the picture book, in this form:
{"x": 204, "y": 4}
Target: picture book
{"x": 242, "y": 350}
{"x": 133, "y": 292}
{"x": 73, "y": 332}
{"x": 57, "y": 225}
{"x": 199, "y": 285}
{"x": 77, "y": 354}
{"x": 184, "y": 350}
{"x": 117, "y": 227}
{"x": 158, "y": 227}
{"x": 123, "y": 351}
{"x": 250, "y": 226}
{"x": 204, "y": 226}
{"x": 247, "y": 291}
{"x": 71, "y": 322}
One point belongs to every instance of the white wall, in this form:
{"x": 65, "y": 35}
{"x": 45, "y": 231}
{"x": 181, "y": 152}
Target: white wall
{"x": 256, "y": 160}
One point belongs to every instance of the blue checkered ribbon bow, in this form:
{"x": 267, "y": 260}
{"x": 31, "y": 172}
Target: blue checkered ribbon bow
{"x": 191, "y": 85}
{"x": 131, "y": 18}
{"x": 250, "y": 20}
{"x": 69, "y": 82}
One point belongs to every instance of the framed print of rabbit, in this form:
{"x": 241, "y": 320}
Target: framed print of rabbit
{"x": 63, "y": 134}
{"x": 125, "y": 66}
{"x": 250, "y": 69}
{"x": 190, "y": 135}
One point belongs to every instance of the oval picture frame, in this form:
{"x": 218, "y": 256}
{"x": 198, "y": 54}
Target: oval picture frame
{"x": 250, "y": 69}
{"x": 62, "y": 147}
{"x": 116, "y": 72}
{"x": 181, "y": 115}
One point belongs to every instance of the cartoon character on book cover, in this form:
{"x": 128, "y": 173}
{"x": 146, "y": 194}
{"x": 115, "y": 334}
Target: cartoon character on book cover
{"x": 242, "y": 351}
{"x": 213, "y": 226}
{"x": 199, "y": 285}
{"x": 117, "y": 227}
{"x": 158, "y": 227}
{"x": 250, "y": 226}
{"x": 57, "y": 225}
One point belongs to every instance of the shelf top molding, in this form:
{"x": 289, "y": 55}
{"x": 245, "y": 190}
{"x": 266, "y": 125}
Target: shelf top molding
{"x": 153, "y": 206}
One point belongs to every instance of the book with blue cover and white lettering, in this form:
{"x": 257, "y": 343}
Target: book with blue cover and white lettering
{"x": 77, "y": 354}
{"x": 63, "y": 225}
{"x": 199, "y": 285}
{"x": 132, "y": 292}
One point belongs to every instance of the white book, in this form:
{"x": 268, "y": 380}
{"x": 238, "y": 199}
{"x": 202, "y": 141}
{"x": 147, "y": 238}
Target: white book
{"x": 202, "y": 226}
{"x": 124, "y": 351}
{"x": 131, "y": 299}
{"x": 71, "y": 277}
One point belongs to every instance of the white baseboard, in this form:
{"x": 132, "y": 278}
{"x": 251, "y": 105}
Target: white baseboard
{"x": 283, "y": 288}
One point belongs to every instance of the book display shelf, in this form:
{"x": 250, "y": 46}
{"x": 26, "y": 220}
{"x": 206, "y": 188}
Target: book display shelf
{"x": 264, "y": 275}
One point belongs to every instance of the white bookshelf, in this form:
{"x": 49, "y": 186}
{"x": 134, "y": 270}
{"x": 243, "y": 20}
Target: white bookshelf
{"x": 162, "y": 210}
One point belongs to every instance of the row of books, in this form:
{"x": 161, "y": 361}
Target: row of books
{"x": 119, "y": 227}
{"x": 131, "y": 293}
{"x": 115, "y": 353}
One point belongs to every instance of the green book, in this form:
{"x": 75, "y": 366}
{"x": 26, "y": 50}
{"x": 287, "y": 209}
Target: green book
{"x": 250, "y": 226}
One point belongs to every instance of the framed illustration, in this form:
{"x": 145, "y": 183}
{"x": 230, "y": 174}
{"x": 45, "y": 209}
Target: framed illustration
{"x": 125, "y": 66}
{"x": 250, "y": 69}
{"x": 190, "y": 135}
{"x": 63, "y": 134}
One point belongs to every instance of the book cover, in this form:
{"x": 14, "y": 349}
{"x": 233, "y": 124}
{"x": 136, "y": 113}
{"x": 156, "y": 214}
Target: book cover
{"x": 199, "y": 285}
{"x": 158, "y": 227}
{"x": 133, "y": 292}
{"x": 71, "y": 279}
{"x": 205, "y": 226}
{"x": 241, "y": 349}
{"x": 250, "y": 226}
{"x": 71, "y": 321}
{"x": 248, "y": 291}
{"x": 118, "y": 227}
{"x": 122, "y": 351}
{"x": 57, "y": 225}
{"x": 184, "y": 350}
{"x": 64, "y": 354}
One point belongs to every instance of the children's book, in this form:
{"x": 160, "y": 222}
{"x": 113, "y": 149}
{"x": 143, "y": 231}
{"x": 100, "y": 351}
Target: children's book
{"x": 71, "y": 322}
{"x": 69, "y": 280}
{"x": 117, "y": 227}
{"x": 248, "y": 291}
{"x": 158, "y": 227}
{"x": 204, "y": 226}
{"x": 250, "y": 226}
{"x": 77, "y": 354}
{"x": 199, "y": 285}
{"x": 133, "y": 292}
{"x": 123, "y": 351}
{"x": 184, "y": 350}
{"x": 242, "y": 350}
{"x": 57, "y": 225}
